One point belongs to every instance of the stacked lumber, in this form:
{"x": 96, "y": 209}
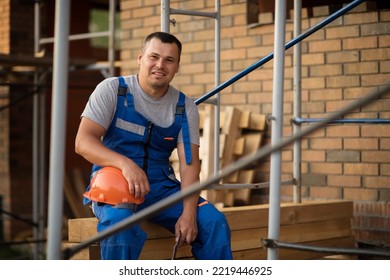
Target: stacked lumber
{"x": 325, "y": 224}
{"x": 240, "y": 134}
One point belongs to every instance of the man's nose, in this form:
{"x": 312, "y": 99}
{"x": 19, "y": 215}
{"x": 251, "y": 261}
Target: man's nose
{"x": 160, "y": 63}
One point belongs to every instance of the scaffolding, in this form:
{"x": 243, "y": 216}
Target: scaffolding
{"x": 60, "y": 70}
{"x": 277, "y": 143}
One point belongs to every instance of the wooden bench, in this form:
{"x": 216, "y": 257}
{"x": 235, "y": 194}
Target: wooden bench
{"x": 319, "y": 223}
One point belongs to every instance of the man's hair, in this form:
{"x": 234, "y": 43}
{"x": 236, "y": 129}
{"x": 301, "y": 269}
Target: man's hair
{"x": 165, "y": 38}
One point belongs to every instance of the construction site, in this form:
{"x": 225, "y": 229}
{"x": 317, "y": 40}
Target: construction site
{"x": 294, "y": 102}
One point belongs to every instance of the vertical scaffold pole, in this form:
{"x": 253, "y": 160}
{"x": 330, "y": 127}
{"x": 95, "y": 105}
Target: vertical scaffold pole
{"x": 217, "y": 81}
{"x": 58, "y": 125}
{"x": 277, "y": 125}
{"x": 111, "y": 38}
{"x": 297, "y": 100}
{"x": 165, "y": 15}
{"x": 38, "y": 148}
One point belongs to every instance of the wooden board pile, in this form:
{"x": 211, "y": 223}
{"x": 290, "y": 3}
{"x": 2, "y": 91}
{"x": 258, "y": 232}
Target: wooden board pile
{"x": 318, "y": 223}
{"x": 240, "y": 134}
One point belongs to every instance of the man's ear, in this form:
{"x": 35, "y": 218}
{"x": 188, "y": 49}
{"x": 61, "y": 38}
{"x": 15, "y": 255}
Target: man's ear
{"x": 139, "y": 57}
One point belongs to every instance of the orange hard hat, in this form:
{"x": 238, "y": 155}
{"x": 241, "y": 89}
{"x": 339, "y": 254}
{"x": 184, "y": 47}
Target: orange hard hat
{"x": 109, "y": 186}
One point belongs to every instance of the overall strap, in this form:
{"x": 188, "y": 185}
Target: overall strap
{"x": 180, "y": 111}
{"x": 123, "y": 97}
{"x": 122, "y": 89}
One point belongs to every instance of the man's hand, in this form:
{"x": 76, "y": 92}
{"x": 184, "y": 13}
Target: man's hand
{"x": 186, "y": 228}
{"x": 136, "y": 178}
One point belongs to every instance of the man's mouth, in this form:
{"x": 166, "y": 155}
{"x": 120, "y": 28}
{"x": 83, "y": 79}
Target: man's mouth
{"x": 158, "y": 74}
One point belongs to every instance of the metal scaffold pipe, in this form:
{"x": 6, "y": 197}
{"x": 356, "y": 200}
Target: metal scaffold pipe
{"x": 58, "y": 118}
{"x": 277, "y": 124}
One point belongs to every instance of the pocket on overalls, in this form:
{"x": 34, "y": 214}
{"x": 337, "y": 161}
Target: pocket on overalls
{"x": 171, "y": 176}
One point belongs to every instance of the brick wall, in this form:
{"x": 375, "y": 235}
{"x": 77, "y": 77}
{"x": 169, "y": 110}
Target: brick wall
{"x": 341, "y": 62}
{"x": 5, "y": 23}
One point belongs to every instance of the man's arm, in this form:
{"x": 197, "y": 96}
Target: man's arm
{"x": 88, "y": 144}
{"x": 186, "y": 226}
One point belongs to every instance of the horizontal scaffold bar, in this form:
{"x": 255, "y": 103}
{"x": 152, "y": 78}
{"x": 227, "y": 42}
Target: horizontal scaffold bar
{"x": 263, "y": 185}
{"x": 194, "y": 13}
{"x": 357, "y": 121}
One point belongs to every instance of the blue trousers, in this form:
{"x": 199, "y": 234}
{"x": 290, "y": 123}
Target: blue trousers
{"x": 212, "y": 242}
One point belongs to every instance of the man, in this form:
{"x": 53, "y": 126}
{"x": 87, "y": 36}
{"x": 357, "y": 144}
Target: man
{"x": 133, "y": 123}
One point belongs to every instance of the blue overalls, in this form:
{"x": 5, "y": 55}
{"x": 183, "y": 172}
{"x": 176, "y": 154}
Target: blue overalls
{"x": 150, "y": 146}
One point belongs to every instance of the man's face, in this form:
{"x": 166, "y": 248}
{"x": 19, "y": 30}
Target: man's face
{"x": 159, "y": 62}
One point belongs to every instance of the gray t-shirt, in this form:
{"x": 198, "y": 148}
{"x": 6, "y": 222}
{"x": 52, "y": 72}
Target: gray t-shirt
{"x": 101, "y": 106}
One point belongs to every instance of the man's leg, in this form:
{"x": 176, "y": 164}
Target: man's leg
{"x": 124, "y": 245}
{"x": 213, "y": 240}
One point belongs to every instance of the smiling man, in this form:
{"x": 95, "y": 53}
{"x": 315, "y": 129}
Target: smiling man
{"x": 133, "y": 124}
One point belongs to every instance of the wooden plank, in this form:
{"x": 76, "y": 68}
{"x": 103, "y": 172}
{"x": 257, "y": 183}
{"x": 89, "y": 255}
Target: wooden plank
{"x": 92, "y": 252}
{"x": 242, "y": 240}
{"x": 288, "y": 254}
{"x": 154, "y": 249}
{"x": 84, "y": 228}
{"x": 252, "y": 144}
{"x": 321, "y": 230}
{"x": 255, "y": 216}
{"x": 161, "y": 249}
{"x": 208, "y": 150}
{"x": 239, "y": 146}
{"x": 81, "y": 229}
{"x": 150, "y": 252}
{"x": 232, "y": 131}
{"x": 296, "y": 233}
{"x": 243, "y": 217}
{"x": 326, "y": 222}
{"x": 253, "y": 121}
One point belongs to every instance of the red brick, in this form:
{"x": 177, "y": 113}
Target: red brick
{"x": 376, "y": 156}
{"x": 367, "y": 42}
{"x": 361, "y": 68}
{"x": 313, "y": 156}
{"x": 361, "y": 169}
{"x": 342, "y": 32}
{"x": 377, "y": 182}
{"x": 325, "y": 94}
{"x": 375, "y": 54}
{"x": 326, "y": 193}
{"x": 321, "y": 144}
{"x": 326, "y": 168}
{"x": 342, "y": 56}
{"x": 361, "y": 143}
{"x": 324, "y": 46}
{"x": 344, "y": 131}
{"x": 357, "y": 18}
{"x": 344, "y": 180}
{"x": 359, "y": 194}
